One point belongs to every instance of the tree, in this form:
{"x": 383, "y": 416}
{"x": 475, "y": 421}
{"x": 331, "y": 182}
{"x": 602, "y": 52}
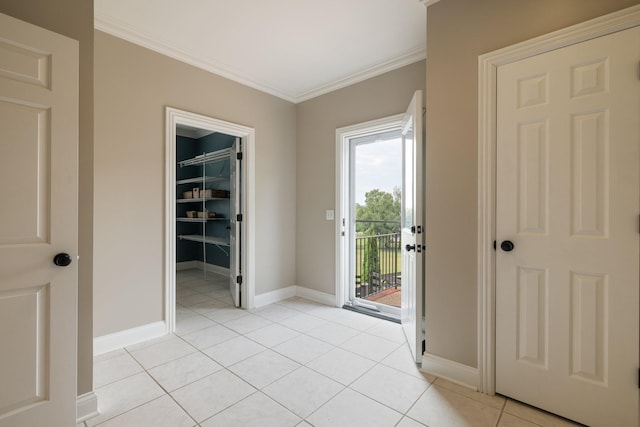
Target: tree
{"x": 379, "y": 206}
{"x": 371, "y": 262}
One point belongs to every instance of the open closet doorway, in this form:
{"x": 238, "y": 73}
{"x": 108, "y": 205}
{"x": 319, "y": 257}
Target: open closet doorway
{"x": 209, "y": 206}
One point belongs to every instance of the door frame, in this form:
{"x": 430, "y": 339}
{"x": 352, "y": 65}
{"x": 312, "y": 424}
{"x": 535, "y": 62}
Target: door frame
{"x": 176, "y": 117}
{"x": 343, "y": 181}
{"x": 487, "y": 136}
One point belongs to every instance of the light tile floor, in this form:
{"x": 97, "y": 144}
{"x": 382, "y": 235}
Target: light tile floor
{"x": 294, "y": 363}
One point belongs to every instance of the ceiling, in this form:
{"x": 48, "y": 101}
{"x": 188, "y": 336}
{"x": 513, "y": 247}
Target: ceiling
{"x": 293, "y": 49}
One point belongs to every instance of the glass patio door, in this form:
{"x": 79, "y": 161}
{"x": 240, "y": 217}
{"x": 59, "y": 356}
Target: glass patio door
{"x": 375, "y": 205}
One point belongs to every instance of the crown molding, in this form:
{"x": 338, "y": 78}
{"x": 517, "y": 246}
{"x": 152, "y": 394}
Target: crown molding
{"x": 121, "y": 30}
{"x": 407, "y": 58}
{"x": 428, "y": 3}
{"x": 114, "y": 27}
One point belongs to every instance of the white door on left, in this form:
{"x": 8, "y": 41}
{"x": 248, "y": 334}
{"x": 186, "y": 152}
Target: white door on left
{"x": 38, "y": 220}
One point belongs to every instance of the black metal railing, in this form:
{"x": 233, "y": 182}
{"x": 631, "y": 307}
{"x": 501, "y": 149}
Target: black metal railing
{"x": 378, "y": 260}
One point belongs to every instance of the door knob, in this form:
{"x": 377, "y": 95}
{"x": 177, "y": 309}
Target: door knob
{"x": 410, "y": 247}
{"x": 507, "y": 246}
{"x": 62, "y": 259}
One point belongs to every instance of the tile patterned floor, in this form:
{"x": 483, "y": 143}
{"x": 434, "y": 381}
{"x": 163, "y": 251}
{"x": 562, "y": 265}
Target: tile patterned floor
{"x": 294, "y": 363}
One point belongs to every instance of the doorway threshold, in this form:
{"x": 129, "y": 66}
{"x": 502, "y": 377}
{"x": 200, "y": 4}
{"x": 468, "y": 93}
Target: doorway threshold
{"x": 371, "y": 312}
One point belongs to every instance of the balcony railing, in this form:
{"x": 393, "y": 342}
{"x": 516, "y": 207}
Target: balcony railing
{"x": 378, "y": 260}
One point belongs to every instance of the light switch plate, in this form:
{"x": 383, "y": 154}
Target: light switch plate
{"x": 329, "y": 215}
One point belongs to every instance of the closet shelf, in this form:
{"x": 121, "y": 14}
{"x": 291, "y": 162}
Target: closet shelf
{"x": 218, "y": 241}
{"x": 201, "y": 159}
{"x": 200, "y": 219}
{"x": 200, "y": 179}
{"x": 200, "y": 200}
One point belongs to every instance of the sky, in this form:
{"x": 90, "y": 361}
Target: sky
{"x": 378, "y": 165}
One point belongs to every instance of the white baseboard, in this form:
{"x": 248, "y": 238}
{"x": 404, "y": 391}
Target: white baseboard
{"x": 450, "y": 370}
{"x": 317, "y": 296}
{"x": 274, "y": 296}
{"x": 186, "y": 265}
{"x": 118, "y": 340}
{"x": 199, "y": 265}
{"x": 86, "y": 407}
{"x": 293, "y": 291}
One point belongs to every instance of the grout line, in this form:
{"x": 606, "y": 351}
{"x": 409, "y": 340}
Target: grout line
{"x": 127, "y": 411}
{"x": 168, "y": 393}
{"x": 504, "y": 405}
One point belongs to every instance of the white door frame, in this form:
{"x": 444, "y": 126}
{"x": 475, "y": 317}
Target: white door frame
{"x": 487, "y": 136}
{"x": 176, "y": 117}
{"x": 343, "y": 208}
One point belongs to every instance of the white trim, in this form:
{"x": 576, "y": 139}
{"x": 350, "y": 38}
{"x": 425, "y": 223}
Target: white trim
{"x": 317, "y": 296}
{"x": 117, "y": 28}
{"x": 274, "y": 296}
{"x": 199, "y": 265}
{"x": 118, "y": 340}
{"x": 428, "y": 3}
{"x": 188, "y": 265}
{"x": 113, "y": 26}
{"x": 341, "y": 216}
{"x": 449, "y": 370}
{"x": 382, "y": 67}
{"x": 342, "y": 207}
{"x": 86, "y": 407}
{"x": 294, "y": 291}
{"x": 487, "y": 86}
{"x": 175, "y": 117}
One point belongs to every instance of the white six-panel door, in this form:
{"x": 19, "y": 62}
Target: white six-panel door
{"x": 38, "y": 219}
{"x": 568, "y": 187}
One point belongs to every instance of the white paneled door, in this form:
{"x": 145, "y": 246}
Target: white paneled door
{"x": 38, "y": 220}
{"x": 411, "y": 233}
{"x": 567, "y": 224}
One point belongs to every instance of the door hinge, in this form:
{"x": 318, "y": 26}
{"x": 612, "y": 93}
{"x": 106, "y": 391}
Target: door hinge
{"x": 239, "y": 156}
{"x": 494, "y": 245}
{"x": 419, "y": 229}
{"x": 424, "y": 346}
{"x": 239, "y": 217}
{"x": 239, "y": 280}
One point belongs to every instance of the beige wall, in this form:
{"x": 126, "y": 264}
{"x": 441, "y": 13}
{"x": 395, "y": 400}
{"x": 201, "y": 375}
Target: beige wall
{"x": 318, "y": 120}
{"x": 74, "y": 18}
{"x": 132, "y": 87}
{"x": 458, "y": 31}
